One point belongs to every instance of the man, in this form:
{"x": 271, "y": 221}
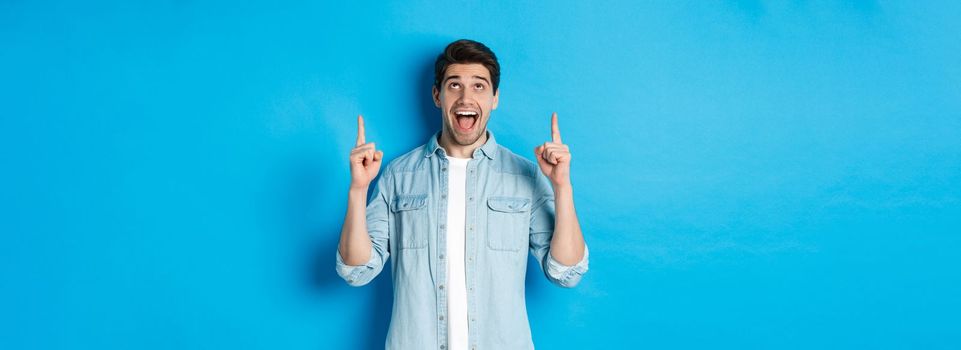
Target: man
{"x": 458, "y": 215}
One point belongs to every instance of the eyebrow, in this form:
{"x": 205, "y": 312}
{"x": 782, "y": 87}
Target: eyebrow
{"x": 475, "y": 76}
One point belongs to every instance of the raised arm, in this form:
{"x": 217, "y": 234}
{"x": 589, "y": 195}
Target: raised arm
{"x": 365, "y": 161}
{"x": 554, "y": 159}
{"x": 364, "y": 238}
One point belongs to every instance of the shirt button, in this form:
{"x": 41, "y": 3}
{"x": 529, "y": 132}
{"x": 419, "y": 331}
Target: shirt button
{"x": 470, "y": 198}
{"x": 442, "y": 226}
{"x": 443, "y": 196}
{"x": 442, "y": 256}
{"x": 442, "y": 287}
{"x": 443, "y": 347}
{"x": 443, "y": 169}
{"x": 441, "y": 317}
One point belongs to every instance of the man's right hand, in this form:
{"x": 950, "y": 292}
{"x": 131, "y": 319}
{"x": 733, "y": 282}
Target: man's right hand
{"x": 365, "y": 160}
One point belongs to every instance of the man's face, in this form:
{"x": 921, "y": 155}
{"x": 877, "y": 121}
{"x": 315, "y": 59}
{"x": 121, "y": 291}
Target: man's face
{"x": 466, "y": 98}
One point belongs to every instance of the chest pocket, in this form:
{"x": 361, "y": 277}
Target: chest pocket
{"x": 508, "y": 223}
{"x": 410, "y": 212}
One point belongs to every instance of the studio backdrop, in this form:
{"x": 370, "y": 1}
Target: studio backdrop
{"x": 748, "y": 174}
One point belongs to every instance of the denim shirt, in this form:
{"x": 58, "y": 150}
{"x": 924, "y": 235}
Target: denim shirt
{"x": 510, "y": 211}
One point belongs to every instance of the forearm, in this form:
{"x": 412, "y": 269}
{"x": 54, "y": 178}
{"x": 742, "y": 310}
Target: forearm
{"x": 567, "y": 245}
{"x": 355, "y": 242}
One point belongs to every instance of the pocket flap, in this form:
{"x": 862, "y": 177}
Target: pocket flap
{"x": 509, "y": 204}
{"x": 409, "y": 202}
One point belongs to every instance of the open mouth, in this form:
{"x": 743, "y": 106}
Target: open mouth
{"x": 465, "y": 120}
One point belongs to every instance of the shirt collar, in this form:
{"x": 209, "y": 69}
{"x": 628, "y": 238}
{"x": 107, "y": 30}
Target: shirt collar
{"x": 489, "y": 148}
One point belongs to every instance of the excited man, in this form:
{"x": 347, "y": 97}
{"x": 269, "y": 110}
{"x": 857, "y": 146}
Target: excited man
{"x": 458, "y": 215}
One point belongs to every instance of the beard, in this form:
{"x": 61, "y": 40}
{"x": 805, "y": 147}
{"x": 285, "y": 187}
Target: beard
{"x": 466, "y": 139}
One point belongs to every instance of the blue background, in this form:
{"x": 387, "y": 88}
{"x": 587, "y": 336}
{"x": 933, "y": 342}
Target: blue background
{"x": 748, "y": 174}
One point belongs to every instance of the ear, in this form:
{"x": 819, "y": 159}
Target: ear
{"x": 436, "y": 94}
{"x": 496, "y": 94}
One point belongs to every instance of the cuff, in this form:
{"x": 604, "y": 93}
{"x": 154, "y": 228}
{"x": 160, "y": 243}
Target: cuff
{"x": 351, "y": 273}
{"x": 563, "y": 272}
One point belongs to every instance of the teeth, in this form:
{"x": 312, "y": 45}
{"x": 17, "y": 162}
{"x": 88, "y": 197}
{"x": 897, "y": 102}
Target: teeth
{"x": 467, "y": 113}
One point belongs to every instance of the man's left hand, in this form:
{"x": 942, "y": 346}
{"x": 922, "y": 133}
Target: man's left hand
{"x": 554, "y": 157}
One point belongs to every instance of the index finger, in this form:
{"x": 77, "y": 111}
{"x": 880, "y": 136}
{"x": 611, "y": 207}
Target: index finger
{"x": 360, "y": 130}
{"x": 555, "y": 131}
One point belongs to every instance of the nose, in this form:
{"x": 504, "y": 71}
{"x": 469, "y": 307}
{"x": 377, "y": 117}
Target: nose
{"x": 465, "y": 96}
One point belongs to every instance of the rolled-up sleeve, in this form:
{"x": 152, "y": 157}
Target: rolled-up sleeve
{"x": 377, "y": 227}
{"x": 542, "y": 231}
{"x": 567, "y": 276}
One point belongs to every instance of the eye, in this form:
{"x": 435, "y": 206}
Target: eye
{"x": 479, "y": 86}
{"x": 454, "y": 85}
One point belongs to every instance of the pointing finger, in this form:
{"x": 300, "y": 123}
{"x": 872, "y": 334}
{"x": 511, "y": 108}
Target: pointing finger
{"x": 555, "y": 131}
{"x": 360, "y": 130}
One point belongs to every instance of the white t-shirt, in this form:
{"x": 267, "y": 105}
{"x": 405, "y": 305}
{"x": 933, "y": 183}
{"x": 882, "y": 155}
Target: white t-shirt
{"x": 456, "y": 248}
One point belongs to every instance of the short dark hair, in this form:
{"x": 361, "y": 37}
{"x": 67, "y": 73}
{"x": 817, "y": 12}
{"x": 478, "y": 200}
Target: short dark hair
{"x": 465, "y": 51}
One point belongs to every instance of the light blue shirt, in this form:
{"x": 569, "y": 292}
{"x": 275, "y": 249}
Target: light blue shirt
{"x": 510, "y": 211}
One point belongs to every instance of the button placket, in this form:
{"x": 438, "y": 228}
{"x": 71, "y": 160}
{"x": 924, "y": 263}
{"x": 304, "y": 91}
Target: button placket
{"x": 470, "y": 247}
{"x": 441, "y": 249}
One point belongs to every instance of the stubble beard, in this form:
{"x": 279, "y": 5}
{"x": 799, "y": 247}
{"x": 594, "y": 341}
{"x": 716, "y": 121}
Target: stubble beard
{"x": 466, "y": 140}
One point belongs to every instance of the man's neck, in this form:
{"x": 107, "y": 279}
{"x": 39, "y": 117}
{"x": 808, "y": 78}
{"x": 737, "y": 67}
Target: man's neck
{"x": 458, "y": 151}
